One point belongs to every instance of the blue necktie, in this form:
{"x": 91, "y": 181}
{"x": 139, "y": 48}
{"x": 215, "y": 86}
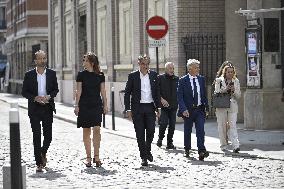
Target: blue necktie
{"x": 195, "y": 95}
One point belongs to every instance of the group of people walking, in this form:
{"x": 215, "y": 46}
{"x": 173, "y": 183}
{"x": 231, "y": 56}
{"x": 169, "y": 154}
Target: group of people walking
{"x": 148, "y": 96}
{"x": 147, "y": 93}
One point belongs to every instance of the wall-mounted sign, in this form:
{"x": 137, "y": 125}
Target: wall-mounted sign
{"x": 252, "y": 42}
{"x": 253, "y": 71}
{"x": 157, "y": 43}
{"x": 253, "y": 51}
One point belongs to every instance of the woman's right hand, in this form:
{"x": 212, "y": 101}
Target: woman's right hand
{"x": 76, "y": 110}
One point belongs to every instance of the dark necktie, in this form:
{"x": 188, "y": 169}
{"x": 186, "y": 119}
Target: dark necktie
{"x": 195, "y": 95}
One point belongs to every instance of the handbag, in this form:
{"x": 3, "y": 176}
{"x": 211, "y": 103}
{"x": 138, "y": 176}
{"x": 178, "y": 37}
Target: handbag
{"x": 221, "y": 100}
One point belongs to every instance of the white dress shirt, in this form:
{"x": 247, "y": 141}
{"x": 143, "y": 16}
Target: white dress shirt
{"x": 146, "y": 94}
{"x": 198, "y": 88}
{"x": 41, "y": 81}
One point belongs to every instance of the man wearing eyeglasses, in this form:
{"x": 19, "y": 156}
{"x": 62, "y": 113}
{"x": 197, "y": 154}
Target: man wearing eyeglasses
{"x": 40, "y": 87}
{"x": 142, "y": 87}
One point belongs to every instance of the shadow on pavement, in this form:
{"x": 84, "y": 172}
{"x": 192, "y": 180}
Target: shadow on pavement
{"x": 156, "y": 168}
{"x": 195, "y": 161}
{"x": 240, "y": 155}
{"x": 263, "y": 147}
{"x": 175, "y": 151}
{"x": 49, "y": 174}
{"x": 99, "y": 171}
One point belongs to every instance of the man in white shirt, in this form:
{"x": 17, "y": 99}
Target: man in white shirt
{"x": 40, "y": 87}
{"x": 142, "y": 87}
{"x": 193, "y": 107}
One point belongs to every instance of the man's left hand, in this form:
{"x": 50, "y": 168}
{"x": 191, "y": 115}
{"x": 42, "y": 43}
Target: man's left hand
{"x": 206, "y": 114}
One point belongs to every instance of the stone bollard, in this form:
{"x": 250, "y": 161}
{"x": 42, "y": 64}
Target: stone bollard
{"x": 7, "y": 176}
{"x": 14, "y": 176}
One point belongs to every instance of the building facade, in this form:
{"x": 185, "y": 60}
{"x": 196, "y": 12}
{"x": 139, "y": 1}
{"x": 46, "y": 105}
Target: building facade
{"x": 115, "y": 30}
{"x": 27, "y": 32}
{"x": 208, "y": 30}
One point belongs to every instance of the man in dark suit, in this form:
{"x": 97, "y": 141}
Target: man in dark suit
{"x": 193, "y": 107}
{"x": 40, "y": 87}
{"x": 142, "y": 87}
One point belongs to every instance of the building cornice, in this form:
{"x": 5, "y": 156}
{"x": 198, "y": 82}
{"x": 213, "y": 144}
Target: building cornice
{"x": 36, "y": 12}
{"x": 30, "y": 32}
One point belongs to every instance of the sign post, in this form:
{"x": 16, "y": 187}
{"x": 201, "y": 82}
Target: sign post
{"x": 157, "y": 28}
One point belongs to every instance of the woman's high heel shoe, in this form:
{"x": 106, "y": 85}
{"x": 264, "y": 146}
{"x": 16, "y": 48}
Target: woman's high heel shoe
{"x": 98, "y": 163}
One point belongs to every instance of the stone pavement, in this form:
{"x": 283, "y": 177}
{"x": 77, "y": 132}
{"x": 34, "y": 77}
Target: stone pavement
{"x": 254, "y": 143}
{"x": 121, "y": 168}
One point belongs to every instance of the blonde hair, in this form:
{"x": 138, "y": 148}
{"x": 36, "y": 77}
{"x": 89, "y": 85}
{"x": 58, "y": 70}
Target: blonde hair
{"x": 225, "y": 63}
{"x": 225, "y": 69}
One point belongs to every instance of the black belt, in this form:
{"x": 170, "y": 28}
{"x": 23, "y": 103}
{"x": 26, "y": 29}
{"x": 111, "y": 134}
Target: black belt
{"x": 146, "y": 103}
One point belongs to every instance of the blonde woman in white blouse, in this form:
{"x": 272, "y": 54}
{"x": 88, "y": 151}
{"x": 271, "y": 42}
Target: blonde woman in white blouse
{"x": 227, "y": 117}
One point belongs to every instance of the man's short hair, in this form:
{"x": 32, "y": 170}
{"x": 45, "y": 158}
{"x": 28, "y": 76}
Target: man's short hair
{"x": 143, "y": 57}
{"x": 39, "y": 52}
{"x": 190, "y": 62}
{"x": 169, "y": 63}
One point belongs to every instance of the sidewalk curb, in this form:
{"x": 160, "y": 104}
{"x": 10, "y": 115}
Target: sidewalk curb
{"x": 109, "y": 131}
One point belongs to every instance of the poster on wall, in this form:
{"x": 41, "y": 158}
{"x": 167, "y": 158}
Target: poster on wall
{"x": 252, "y": 42}
{"x": 253, "y": 70}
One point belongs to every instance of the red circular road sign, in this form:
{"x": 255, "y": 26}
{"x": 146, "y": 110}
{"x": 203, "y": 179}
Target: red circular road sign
{"x": 157, "y": 27}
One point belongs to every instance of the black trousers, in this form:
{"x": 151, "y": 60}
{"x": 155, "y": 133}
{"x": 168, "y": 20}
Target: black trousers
{"x": 144, "y": 120}
{"x": 167, "y": 117}
{"x": 44, "y": 114}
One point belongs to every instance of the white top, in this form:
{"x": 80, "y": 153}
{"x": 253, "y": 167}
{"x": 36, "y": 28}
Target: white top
{"x": 198, "y": 88}
{"x": 146, "y": 94}
{"x": 41, "y": 81}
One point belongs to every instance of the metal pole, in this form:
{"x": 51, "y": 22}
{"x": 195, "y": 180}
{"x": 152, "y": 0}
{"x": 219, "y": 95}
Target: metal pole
{"x": 112, "y": 107}
{"x": 15, "y": 149}
{"x": 157, "y": 59}
{"x": 104, "y": 120}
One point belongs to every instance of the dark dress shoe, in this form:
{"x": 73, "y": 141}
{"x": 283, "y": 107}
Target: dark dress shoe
{"x": 171, "y": 146}
{"x": 159, "y": 143}
{"x": 186, "y": 153}
{"x": 39, "y": 168}
{"x": 144, "y": 162}
{"x": 150, "y": 157}
{"x": 203, "y": 154}
{"x": 236, "y": 150}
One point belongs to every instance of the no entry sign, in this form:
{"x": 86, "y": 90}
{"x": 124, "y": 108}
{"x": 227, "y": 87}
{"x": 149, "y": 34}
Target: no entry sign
{"x": 157, "y": 27}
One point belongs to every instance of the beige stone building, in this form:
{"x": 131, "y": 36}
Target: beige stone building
{"x": 208, "y": 30}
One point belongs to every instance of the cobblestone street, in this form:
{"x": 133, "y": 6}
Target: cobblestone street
{"x": 121, "y": 163}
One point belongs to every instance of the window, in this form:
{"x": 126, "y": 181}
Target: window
{"x": 101, "y": 32}
{"x": 271, "y": 34}
{"x": 125, "y": 31}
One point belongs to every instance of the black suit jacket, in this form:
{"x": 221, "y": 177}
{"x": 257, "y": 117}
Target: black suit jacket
{"x": 30, "y": 89}
{"x": 133, "y": 89}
